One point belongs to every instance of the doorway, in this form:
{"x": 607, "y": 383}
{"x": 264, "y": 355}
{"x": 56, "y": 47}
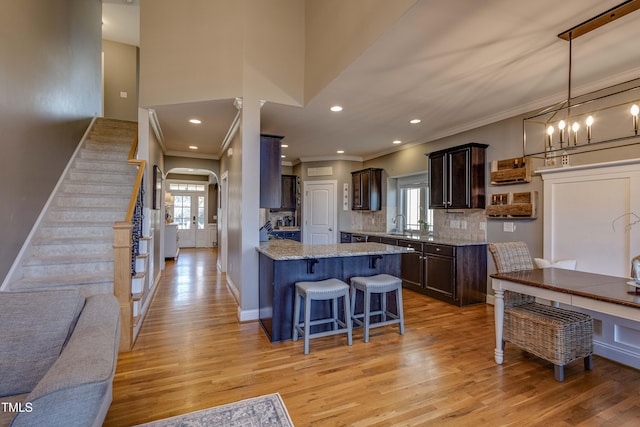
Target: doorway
{"x": 190, "y": 213}
{"x": 320, "y": 216}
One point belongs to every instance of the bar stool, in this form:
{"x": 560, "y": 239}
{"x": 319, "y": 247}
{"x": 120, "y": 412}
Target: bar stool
{"x": 323, "y": 290}
{"x": 378, "y": 284}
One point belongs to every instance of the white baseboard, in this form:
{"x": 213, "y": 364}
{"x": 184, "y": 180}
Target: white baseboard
{"x": 234, "y": 290}
{"x": 248, "y": 315}
{"x": 243, "y": 315}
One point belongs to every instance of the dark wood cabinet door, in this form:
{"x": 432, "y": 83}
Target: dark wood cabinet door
{"x": 356, "y": 197}
{"x": 412, "y": 270}
{"x": 437, "y": 181}
{"x": 375, "y": 189}
{"x": 459, "y": 179}
{"x": 288, "y": 192}
{"x": 270, "y": 171}
{"x": 412, "y": 265}
{"x": 439, "y": 275}
{"x": 365, "y": 189}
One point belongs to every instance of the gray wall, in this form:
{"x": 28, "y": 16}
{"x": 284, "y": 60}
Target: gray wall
{"x": 50, "y": 80}
{"x": 342, "y": 173}
{"x": 120, "y": 75}
{"x": 505, "y": 141}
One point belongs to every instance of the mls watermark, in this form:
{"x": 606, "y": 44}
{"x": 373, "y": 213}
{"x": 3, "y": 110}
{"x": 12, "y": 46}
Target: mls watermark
{"x": 19, "y": 407}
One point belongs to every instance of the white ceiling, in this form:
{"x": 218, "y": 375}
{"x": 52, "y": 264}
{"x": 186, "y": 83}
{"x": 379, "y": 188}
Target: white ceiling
{"x": 455, "y": 65}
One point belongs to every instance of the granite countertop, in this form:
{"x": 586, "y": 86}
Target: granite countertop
{"x": 441, "y": 240}
{"x": 290, "y": 250}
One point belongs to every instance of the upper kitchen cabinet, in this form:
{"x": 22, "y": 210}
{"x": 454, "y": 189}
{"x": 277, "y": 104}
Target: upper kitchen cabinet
{"x": 288, "y": 191}
{"x": 367, "y": 190}
{"x": 457, "y": 177}
{"x": 270, "y": 171}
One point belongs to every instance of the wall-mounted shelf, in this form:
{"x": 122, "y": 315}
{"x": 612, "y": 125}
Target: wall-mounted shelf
{"x": 511, "y": 171}
{"x": 522, "y": 205}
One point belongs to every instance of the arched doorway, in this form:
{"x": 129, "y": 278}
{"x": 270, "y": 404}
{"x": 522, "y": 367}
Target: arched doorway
{"x": 192, "y": 203}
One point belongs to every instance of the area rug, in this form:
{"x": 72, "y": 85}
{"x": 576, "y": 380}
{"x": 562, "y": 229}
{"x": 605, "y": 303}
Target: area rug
{"x": 267, "y": 410}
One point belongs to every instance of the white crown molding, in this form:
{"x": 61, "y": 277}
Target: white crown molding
{"x": 192, "y": 155}
{"x": 330, "y": 158}
{"x": 233, "y": 129}
{"x": 157, "y": 130}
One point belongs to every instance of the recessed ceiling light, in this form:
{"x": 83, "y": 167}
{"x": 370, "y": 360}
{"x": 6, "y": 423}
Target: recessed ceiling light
{"x": 414, "y": 121}
{"x": 340, "y": 151}
{"x": 195, "y": 121}
{"x": 193, "y": 147}
{"x": 336, "y": 108}
{"x": 284, "y": 146}
{"x": 283, "y": 156}
{"x": 397, "y": 141}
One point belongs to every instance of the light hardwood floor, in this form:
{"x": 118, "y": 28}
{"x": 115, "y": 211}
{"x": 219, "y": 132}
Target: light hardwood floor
{"x": 192, "y": 354}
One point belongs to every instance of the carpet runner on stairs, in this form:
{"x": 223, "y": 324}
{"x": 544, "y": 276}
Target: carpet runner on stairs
{"x": 73, "y": 245}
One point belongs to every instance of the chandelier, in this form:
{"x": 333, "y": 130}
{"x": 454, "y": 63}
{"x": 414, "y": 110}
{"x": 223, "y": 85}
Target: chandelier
{"x": 603, "y": 119}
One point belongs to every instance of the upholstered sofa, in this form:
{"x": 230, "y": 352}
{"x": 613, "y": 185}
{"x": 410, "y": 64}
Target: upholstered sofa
{"x": 58, "y": 354}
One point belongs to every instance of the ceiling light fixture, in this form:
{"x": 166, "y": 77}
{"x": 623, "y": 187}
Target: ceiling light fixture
{"x": 336, "y": 108}
{"x": 340, "y": 151}
{"x": 415, "y": 121}
{"x": 195, "y": 121}
{"x": 284, "y": 146}
{"x": 193, "y": 147}
{"x": 605, "y": 112}
{"x": 397, "y": 141}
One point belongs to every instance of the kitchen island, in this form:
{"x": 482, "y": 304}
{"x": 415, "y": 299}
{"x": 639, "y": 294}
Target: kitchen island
{"x": 285, "y": 262}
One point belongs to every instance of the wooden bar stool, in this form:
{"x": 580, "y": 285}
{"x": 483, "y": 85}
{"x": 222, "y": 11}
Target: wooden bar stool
{"x": 378, "y": 284}
{"x": 323, "y": 290}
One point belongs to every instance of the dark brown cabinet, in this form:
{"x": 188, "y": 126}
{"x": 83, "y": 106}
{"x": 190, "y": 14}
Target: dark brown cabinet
{"x": 270, "y": 171}
{"x": 367, "y": 189}
{"x": 439, "y": 263}
{"x": 457, "y": 177}
{"x": 455, "y": 274}
{"x": 288, "y": 185}
{"x": 412, "y": 265}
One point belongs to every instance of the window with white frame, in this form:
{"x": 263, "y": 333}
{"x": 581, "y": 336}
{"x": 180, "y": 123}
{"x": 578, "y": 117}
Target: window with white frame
{"x": 412, "y": 202}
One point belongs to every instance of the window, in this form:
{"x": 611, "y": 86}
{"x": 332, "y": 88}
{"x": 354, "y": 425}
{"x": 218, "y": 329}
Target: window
{"x": 186, "y": 187}
{"x": 412, "y": 200}
{"x": 182, "y": 211}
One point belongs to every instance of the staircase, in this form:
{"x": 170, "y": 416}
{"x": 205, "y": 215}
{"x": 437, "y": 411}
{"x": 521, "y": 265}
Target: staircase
{"x": 73, "y": 244}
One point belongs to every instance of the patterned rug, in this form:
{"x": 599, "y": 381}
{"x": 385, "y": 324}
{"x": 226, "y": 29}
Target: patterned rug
{"x": 267, "y": 410}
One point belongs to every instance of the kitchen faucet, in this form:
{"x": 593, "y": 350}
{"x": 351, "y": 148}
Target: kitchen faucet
{"x": 404, "y": 223}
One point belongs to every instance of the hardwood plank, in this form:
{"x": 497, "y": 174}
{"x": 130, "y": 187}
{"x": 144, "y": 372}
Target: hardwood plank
{"x": 192, "y": 354}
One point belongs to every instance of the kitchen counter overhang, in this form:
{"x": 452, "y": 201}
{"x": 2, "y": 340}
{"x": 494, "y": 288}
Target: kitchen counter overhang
{"x": 280, "y": 250}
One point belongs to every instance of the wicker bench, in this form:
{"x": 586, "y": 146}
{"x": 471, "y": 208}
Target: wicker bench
{"x": 557, "y": 335}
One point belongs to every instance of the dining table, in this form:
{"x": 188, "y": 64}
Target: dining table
{"x": 610, "y": 295}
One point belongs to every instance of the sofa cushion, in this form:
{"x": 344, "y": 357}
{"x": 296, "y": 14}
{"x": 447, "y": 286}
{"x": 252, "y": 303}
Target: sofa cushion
{"x": 35, "y": 327}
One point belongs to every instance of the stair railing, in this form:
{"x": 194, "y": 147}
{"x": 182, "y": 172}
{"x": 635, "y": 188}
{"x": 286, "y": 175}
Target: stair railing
{"x": 126, "y": 238}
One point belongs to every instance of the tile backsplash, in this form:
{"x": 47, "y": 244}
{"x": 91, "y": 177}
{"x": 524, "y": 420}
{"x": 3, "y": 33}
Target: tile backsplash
{"x": 468, "y": 224}
{"x": 369, "y": 220}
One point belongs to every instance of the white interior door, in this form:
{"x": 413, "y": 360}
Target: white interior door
{"x": 319, "y": 214}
